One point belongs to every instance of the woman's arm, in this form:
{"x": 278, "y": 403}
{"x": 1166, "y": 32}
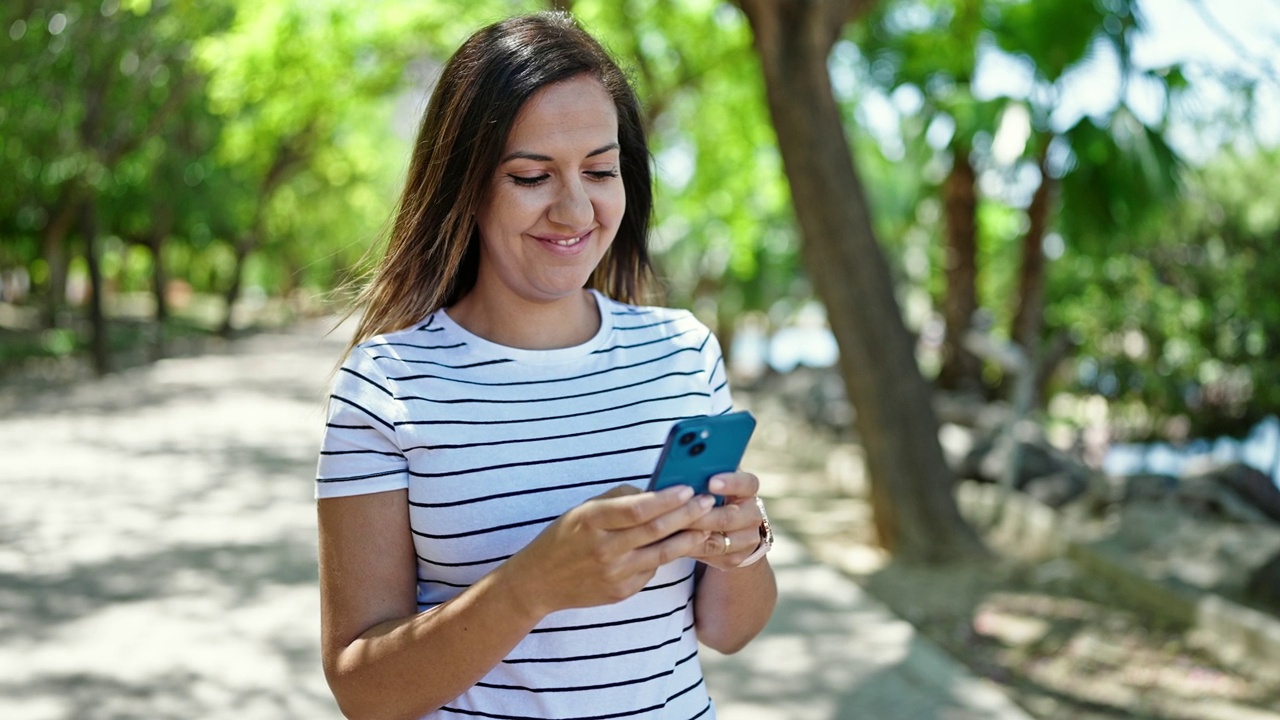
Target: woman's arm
{"x": 732, "y": 604}
{"x": 384, "y": 659}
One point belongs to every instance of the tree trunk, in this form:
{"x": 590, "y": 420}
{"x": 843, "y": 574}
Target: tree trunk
{"x": 160, "y": 278}
{"x": 961, "y": 369}
{"x": 243, "y": 247}
{"x": 1028, "y": 316}
{"x": 911, "y": 486}
{"x": 291, "y": 153}
{"x": 55, "y": 256}
{"x": 99, "y": 345}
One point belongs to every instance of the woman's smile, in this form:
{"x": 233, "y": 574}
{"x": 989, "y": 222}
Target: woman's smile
{"x": 556, "y": 199}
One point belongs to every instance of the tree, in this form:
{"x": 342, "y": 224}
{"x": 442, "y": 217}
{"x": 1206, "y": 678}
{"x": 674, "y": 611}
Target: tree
{"x": 94, "y": 91}
{"x": 936, "y": 48}
{"x": 939, "y": 60}
{"x": 1118, "y": 170}
{"x": 289, "y": 79}
{"x": 1180, "y": 335}
{"x": 915, "y": 512}
{"x": 724, "y": 238}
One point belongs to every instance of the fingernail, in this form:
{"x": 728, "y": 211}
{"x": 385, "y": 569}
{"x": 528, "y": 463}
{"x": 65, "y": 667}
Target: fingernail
{"x": 706, "y": 502}
{"x": 716, "y": 484}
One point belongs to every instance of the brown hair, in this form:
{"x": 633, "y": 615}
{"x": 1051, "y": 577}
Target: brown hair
{"x": 432, "y": 253}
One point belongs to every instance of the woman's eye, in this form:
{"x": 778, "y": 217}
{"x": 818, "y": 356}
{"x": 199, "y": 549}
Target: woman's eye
{"x": 602, "y": 174}
{"x": 526, "y": 181}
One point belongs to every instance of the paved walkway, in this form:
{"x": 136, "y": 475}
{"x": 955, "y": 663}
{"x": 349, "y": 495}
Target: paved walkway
{"x": 157, "y": 560}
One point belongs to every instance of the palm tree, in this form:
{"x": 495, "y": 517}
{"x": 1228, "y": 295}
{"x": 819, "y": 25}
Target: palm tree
{"x": 939, "y": 47}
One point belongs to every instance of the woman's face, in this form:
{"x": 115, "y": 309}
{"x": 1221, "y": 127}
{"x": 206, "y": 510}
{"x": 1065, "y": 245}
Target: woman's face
{"x": 554, "y": 205}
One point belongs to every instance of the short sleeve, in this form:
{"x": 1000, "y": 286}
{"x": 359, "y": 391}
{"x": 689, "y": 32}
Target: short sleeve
{"x": 360, "y": 452}
{"x": 717, "y": 377}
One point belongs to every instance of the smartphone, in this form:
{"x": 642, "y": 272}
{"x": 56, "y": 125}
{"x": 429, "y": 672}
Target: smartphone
{"x": 698, "y": 448}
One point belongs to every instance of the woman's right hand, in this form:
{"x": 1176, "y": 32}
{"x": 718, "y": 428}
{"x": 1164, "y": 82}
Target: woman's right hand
{"x": 606, "y": 549}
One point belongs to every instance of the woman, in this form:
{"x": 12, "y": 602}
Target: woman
{"x": 486, "y": 548}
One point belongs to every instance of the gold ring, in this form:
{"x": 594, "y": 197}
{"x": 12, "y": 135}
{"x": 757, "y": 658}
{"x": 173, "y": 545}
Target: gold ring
{"x": 727, "y": 542}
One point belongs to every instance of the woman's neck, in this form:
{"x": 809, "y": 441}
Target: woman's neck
{"x": 518, "y": 323}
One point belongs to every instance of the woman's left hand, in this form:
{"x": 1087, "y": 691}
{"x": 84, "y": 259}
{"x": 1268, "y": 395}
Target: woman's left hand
{"x": 733, "y": 529}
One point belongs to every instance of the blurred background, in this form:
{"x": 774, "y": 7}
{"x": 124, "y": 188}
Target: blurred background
{"x": 1074, "y": 199}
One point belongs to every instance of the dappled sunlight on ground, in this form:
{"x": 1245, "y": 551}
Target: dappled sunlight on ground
{"x": 157, "y": 560}
{"x": 158, "y": 555}
{"x": 1060, "y": 641}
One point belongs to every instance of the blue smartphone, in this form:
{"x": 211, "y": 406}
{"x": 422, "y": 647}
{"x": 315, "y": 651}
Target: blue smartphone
{"x": 698, "y": 448}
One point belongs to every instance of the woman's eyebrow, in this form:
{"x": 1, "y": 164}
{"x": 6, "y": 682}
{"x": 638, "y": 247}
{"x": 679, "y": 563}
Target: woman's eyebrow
{"x": 523, "y": 155}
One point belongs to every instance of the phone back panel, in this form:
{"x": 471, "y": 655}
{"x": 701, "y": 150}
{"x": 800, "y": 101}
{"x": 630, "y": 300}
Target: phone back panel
{"x": 698, "y": 448}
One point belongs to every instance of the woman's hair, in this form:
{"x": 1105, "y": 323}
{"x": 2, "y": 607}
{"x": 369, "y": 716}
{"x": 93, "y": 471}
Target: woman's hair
{"x": 433, "y": 247}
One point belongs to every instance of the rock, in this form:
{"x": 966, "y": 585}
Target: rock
{"x": 971, "y": 411}
{"x": 1264, "y": 584}
{"x": 1253, "y": 486}
{"x": 1040, "y": 459}
{"x": 1064, "y": 477}
{"x": 1147, "y": 487}
{"x": 1206, "y": 496}
{"x": 1102, "y": 492}
{"x": 1056, "y": 490}
{"x": 971, "y": 466}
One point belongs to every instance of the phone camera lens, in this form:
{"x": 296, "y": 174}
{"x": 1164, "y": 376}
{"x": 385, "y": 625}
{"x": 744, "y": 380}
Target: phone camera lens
{"x": 687, "y": 438}
{"x": 697, "y": 450}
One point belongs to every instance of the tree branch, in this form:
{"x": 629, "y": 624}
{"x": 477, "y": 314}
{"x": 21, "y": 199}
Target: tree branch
{"x": 822, "y": 20}
{"x": 843, "y": 12}
{"x": 122, "y": 144}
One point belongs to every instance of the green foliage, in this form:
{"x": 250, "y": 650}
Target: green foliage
{"x": 87, "y": 86}
{"x": 1121, "y": 176}
{"x": 208, "y": 127}
{"x": 212, "y": 128}
{"x": 1055, "y": 35}
{"x": 724, "y": 230}
{"x": 1187, "y": 327}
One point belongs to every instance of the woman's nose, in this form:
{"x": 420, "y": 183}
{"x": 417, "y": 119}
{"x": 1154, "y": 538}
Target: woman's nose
{"x": 572, "y": 207}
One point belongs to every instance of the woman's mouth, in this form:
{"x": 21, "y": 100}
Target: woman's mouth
{"x": 566, "y": 242}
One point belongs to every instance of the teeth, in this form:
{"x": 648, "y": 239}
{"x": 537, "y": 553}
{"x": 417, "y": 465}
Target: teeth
{"x": 567, "y": 243}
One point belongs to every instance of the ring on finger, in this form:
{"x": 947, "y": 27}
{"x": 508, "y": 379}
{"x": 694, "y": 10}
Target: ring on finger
{"x": 727, "y": 542}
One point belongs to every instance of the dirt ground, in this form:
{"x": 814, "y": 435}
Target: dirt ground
{"x": 1058, "y": 641}
{"x": 1062, "y": 643}
{"x": 158, "y": 560}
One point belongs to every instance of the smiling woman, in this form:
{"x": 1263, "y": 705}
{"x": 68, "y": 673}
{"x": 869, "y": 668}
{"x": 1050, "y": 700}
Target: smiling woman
{"x": 549, "y": 216}
{"x": 487, "y": 545}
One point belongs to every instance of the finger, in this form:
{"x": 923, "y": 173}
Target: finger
{"x": 730, "y": 517}
{"x": 667, "y": 524}
{"x": 718, "y": 544}
{"x": 734, "y": 485}
{"x": 684, "y": 543}
{"x": 627, "y": 510}
{"x": 672, "y": 522}
{"x": 714, "y": 551}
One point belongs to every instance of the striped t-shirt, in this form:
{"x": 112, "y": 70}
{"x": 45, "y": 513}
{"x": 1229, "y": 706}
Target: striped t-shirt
{"x": 493, "y": 444}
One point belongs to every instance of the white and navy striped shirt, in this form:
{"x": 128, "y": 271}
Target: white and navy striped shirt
{"x": 493, "y": 444}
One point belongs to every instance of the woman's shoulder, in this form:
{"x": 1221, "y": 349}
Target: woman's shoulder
{"x": 646, "y": 317}
{"x": 654, "y": 327}
{"x": 424, "y": 337}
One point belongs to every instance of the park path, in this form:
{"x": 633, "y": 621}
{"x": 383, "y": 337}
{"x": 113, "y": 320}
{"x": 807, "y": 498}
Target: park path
{"x": 157, "y": 560}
